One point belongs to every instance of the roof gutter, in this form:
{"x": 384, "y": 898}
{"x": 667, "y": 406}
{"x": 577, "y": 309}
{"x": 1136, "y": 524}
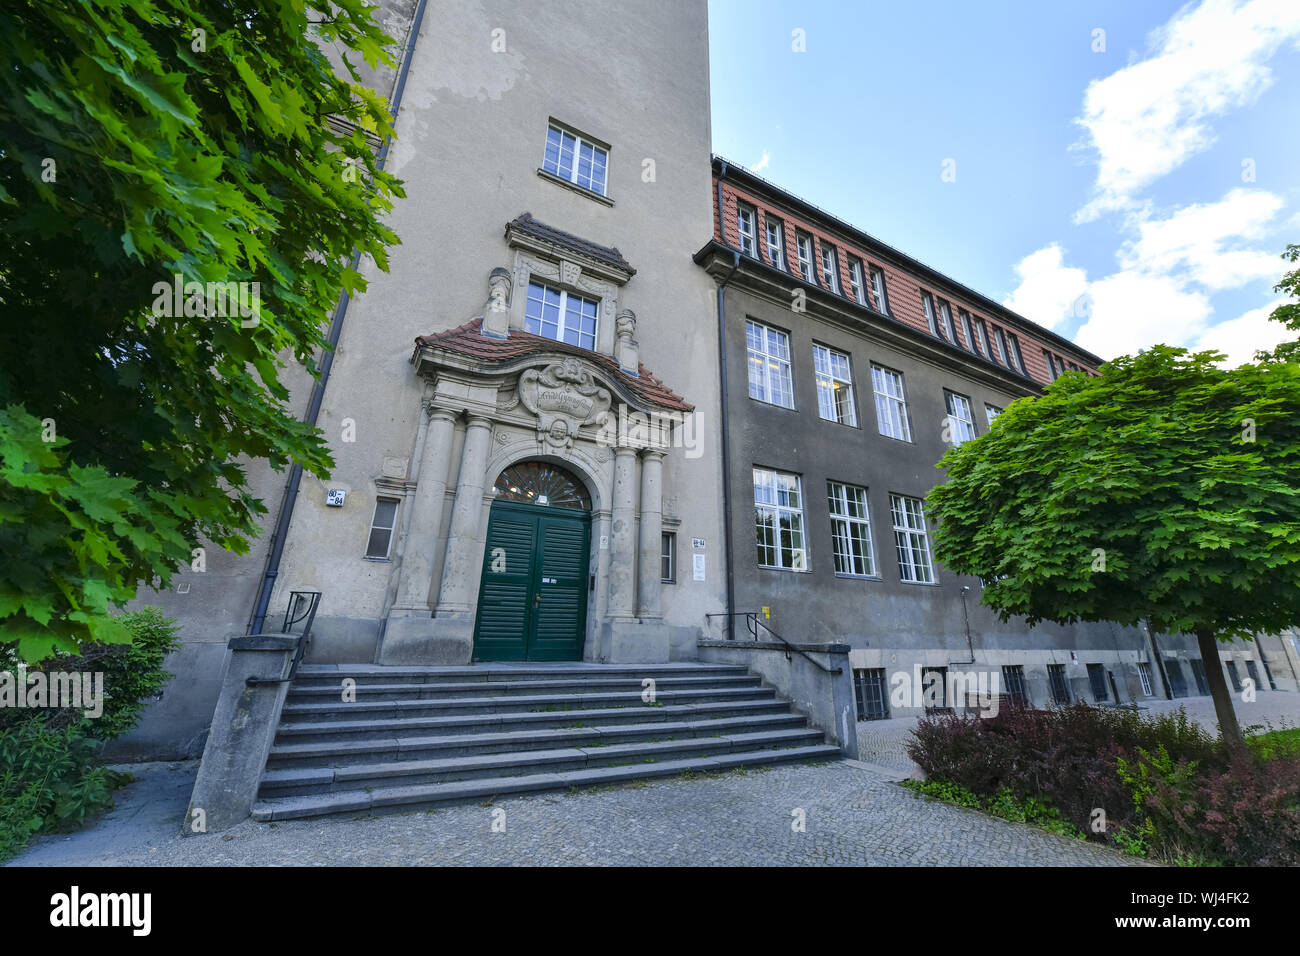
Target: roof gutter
{"x": 258, "y": 618}
{"x": 726, "y": 418}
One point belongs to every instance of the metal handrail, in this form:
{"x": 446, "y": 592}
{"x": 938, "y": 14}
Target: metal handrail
{"x": 302, "y": 607}
{"x": 753, "y": 624}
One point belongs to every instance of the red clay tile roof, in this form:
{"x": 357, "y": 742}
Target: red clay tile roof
{"x": 609, "y": 255}
{"x": 470, "y": 340}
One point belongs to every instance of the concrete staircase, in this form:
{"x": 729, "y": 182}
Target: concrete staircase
{"x": 425, "y": 736}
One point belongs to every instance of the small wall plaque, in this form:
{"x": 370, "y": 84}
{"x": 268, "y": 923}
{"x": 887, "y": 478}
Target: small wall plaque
{"x": 334, "y": 497}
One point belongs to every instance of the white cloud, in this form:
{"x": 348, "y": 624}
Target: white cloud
{"x": 1203, "y": 242}
{"x": 763, "y": 163}
{"x": 1148, "y": 118}
{"x": 1049, "y": 290}
{"x": 1132, "y": 310}
{"x": 1242, "y": 337}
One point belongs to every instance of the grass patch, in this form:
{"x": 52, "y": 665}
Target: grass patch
{"x": 1005, "y": 805}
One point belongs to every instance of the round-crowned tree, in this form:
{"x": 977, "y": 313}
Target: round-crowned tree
{"x": 1164, "y": 489}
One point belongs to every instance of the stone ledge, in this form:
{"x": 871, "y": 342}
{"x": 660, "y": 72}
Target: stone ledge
{"x": 776, "y": 646}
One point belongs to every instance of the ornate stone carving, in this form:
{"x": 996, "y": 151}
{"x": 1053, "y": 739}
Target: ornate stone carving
{"x": 564, "y": 397}
{"x": 570, "y": 272}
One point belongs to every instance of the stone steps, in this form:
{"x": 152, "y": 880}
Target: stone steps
{"x": 426, "y": 736}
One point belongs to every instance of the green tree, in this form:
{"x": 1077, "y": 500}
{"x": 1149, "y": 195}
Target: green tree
{"x": 144, "y": 143}
{"x": 1288, "y": 313}
{"x": 1165, "y": 489}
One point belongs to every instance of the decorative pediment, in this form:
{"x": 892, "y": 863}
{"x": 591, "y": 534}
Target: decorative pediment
{"x": 564, "y": 396}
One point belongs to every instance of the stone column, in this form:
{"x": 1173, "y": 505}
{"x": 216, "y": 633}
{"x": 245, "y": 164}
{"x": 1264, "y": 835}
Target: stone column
{"x": 425, "y": 522}
{"x": 622, "y": 563}
{"x": 461, "y": 569}
{"x": 651, "y": 549}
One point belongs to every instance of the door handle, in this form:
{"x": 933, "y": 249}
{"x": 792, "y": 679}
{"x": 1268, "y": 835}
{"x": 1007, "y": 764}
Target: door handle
{"x": 537, "y": 599}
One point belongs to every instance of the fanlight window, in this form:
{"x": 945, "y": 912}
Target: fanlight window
{"x": 541, "y": 483}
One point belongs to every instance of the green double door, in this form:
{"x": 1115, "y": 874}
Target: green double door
{"x": 532, "y": 603}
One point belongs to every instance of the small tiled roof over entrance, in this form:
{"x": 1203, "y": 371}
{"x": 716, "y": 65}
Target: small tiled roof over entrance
{"x": 526, "y": 224}
{"x": 470, "y": 340}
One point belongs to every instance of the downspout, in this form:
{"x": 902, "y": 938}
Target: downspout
{"x": 292, "y": 486}
{"x": 726, "y": 431}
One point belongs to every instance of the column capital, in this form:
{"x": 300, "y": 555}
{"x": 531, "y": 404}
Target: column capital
{"x": 653, "y": 454}
{"x": 477, "y": 420}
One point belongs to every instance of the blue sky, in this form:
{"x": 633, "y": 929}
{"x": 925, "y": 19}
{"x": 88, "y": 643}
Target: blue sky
{"x": 1136, "y": 194}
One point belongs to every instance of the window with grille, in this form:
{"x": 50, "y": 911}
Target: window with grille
{"x": 1013, "y": 351}
{"x": 830, "y": 268}
{"x": 961, "y": 419}
{"x": 778, "y": 515}
{"x": 878, "y": 290}
{"x": 911, "y": 539}
{"x": 562, "y": 316}
{"x": 999, "y": 346}
{"x": 857, "y": 281}
{"x": 963, "y": 319}
{"x": 850, "y": 530}
{"x": 1097, "y": 677}
{"x": 747, "y": 226}
{"x": 775, "y": 232}
{"x": 834, "y": 386}
{"x": 945, "y": 321}
{"x": 927, "y": 303}
{"x": 981, "y": 336}
{"x": 571, "y": 157}
{"x": 769, "y": 365}
{"x": 1013, "y": 680}
{"x": 869, "y": 688}
{"x": 381, "y": 528}
{"x": 1059, "y": 685}
{"x": 804, "y": 247}
{"x": 1144, "y": 675}
{"x": 891, "y": 404}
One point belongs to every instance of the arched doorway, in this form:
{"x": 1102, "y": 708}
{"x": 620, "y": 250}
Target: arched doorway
{"x": 532, "y": 603}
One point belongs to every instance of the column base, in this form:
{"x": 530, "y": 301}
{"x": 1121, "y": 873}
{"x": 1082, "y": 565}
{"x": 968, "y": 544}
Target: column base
{"x": 424, "y": 640}
{"x": 631, "y": 642}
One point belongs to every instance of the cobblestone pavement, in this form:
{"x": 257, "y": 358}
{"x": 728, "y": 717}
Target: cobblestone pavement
{"x": 854, "y": 816}
{"x": 882, "y": 742}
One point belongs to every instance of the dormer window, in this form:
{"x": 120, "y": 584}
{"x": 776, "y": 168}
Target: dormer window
{"x": 560, "y": 315}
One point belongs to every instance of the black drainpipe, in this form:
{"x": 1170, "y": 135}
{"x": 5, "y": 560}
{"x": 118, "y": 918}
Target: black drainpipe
{"x": 726, "y": 432}
{"x": 258, "y": 619}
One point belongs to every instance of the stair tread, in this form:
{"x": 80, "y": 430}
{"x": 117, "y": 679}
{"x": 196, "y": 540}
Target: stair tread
{"x": 518, "y": 700}
{"x": 632, "y": 683}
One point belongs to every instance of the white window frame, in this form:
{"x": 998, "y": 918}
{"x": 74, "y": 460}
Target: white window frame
{"x": 827, "y": 377}
{"x": 964, "y": 325}
{"x": 375, "y": 526}
{"x": 945, "y": 321}
{"x": 931, "y": 316}
{"x": 804, "y": 250}
{"x": 831, "y": 268}
{"x": 961, "y": 429}
{"x": 775, "y": 250}
{"x": 575, "y": 157}
{"x": 981, "y": 336}
{"x": 764, "y": 363}
{"x": 991, "y": 413}
{"x": 1144, "y": 675}
{"x": 1013, "y": 346}
{"x": 891, "y": 409}
{"x": 668, "y": 554}
{"x": 849, "y": 529}
{"x": 878, "y": 289}
{"x": 911, "y": 539}
{"x": 748, "y": 240}
{"x": 999, "y": 345}
{"x": 777, "y": 485}
{"x": 857, "y": 281}
{"x": 563, "y": 325}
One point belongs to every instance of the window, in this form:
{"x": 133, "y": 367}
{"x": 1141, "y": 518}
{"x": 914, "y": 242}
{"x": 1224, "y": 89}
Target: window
{"x": 1059, "y": 685}
{"x": 1013, "y": 351}
{"x": 830, "y": 268}
{"x": 381, "y": 528}
{"x": 961, "y": 420}
{"x": 991, "y": 412}
{"x": 857, "y": 284}
{"x": 945, "y": 321}
{"x": 769, "y": 365}
{"x": 834, "y": 386}
{"x": 775, "y": 241}
{"x": 563, "y": 316}
{"x": 1202, "y": 681}
{"x": 911, "y": 540}
{"x": 928, "y": 304}
{"x": 747, "y": 225}
{"x": 963, "y": 319}
{"x": 1177, "y": 684}
{"x": 869, "y": 688}
{"x": 981, "y": 336}
{"x": 668, "y": 558}
{"x": 878, "y": 289}
{"x": 850, "y": 530}
{"x": 1052, "y": 373}
{"x": 999, "y": 346}
{"x": 891, "y": 406}
{"x": 804, "y": 247}
{"x": 573, "y": 158}
{"x": 1253, "y": 671}
{"x": 934, "y": 688}
{"x": 1233, "y": 675}
{"x": 1013, "y": 679}
{"x": 1097, "y": 677}
{"x": 1144, "y": 675}
{"x": 778, "y": 513}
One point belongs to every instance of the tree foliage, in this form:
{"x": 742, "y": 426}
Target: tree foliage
{"x": 1288, "y": 313}
{"x": 1165, "y": 489}
{"x": 145, "y": 140}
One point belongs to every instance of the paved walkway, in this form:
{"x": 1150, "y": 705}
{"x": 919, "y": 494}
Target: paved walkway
{"x": 883, "y": 742}
{"x": 853, "y": 816}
